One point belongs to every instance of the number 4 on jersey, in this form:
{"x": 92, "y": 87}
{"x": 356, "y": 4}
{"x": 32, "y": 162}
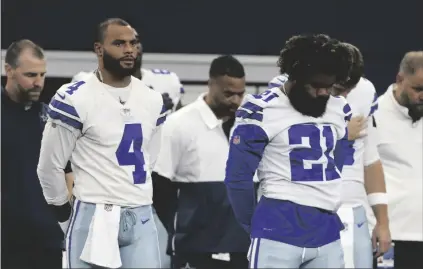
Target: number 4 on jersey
{"x": 74, "y": 87}
{"x": 132, "y": 135}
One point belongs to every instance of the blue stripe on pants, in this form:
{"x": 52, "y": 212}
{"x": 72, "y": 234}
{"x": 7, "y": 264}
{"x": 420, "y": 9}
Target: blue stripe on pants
{"x": 75, "y": 211}
{"x": 253, "y": 253}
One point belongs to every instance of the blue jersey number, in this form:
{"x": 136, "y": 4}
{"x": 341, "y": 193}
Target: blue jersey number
{"x": 160, "y": 71}
{"x": 312, "y": 153}
{"x": 266, "y": 96}
{"x": 349, "y": 151}
{"x": 72, "y": 88}
{"x": 132, "y": 135}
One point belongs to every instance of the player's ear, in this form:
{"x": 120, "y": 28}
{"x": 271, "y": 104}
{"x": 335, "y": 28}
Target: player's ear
{"x": 98, "y": 49}
{"x": 9, "y": 71}
{"x": 399, "y": 78}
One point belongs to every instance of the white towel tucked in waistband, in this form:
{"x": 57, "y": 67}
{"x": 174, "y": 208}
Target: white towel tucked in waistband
{"x": 102, "y": 247}
{"x": 346, "y": 214}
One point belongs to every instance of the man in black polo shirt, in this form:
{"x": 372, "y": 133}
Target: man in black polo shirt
{"x": 31, "y": 236}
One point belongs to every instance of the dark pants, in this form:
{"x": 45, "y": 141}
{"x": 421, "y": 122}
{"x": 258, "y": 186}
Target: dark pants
{"x": 205, "y": 261}
{"x": 29, "y": 256}
{"x": 408, "y": 254}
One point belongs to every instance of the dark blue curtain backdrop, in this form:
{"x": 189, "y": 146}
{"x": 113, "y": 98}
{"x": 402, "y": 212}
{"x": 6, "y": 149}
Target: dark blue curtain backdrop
{"x": 383, "y": 30}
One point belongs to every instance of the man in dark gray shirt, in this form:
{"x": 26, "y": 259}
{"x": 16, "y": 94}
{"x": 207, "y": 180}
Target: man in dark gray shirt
{"x": 31, "y": 235}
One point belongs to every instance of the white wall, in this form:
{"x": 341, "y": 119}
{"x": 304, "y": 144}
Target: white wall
{"x": 189, "y": 67}
{"x": 193, "y": 91}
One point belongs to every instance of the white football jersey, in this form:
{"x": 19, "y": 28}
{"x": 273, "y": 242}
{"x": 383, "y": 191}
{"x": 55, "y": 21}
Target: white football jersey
{"x": 111, "y": 159}
{"x": 82, "y": 76}
{"x": 277, "y": 81}
{"x": 164, "y": 81}
{"x": 298, "y": 162}
{"x": 363, "y": 102}
{"x": 160, "y": 80}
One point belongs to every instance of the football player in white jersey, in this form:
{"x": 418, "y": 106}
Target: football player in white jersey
{"x": 362, "y": 171}
{"x": 363, "y": 182}
{"x": 108, "y": 125}
{"x": 289, "y": 134}
{"x": 171, "y": 88}
{"x": 161, "y": 80}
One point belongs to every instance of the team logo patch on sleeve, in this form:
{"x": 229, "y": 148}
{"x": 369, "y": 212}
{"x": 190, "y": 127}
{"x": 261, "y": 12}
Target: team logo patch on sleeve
{"x": 236, "y": 139}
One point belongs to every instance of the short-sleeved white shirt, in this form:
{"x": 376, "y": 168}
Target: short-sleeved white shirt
{"x": 195, "y": 147}
{"x": 400, "y": 149}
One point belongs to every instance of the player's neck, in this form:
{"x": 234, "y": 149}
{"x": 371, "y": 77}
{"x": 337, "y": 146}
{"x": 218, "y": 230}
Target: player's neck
{"x": 286, "y": 87}
{"x": 13, "y": 93}
{"x": 213, "y": 108}
{"x": 109, "y": 79}
{"x": 398, "y": 96}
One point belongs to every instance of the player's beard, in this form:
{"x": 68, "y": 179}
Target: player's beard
{"x": 28, "y": 95}
{"x": 306, "y": 104}
{"x": 222, "y": 111}
{"x": 114, "y": 66}
{"x": 138, "y": 62}
{"x": 415, "y": 111}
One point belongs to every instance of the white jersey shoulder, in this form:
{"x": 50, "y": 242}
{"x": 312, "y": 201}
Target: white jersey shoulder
{"x": 363, "y": 98}
{"x": 364, "y": 102}
{"x": 81, "y": 76}
{"x": 297, "y": 163}
{"x": 112, "y": 148}
{"x": 278, "y": 81}
{"x": 273, "y": 111}
{"x": 164, "y": 81}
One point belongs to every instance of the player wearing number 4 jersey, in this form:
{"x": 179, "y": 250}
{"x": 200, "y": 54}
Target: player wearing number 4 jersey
{"x": 112, "y": 146}
{"x": 289, "y": 134}
{"x": 363, "y": 182}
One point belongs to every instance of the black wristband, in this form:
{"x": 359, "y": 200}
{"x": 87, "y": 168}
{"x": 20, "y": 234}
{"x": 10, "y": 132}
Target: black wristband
{"x": 62, "y": 212}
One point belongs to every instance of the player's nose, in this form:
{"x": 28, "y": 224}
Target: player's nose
{"x": 323, "y": 91}
{"x": 128, "y": 49}
{"x": 38, "y": 81}
{"x": 236, "y": 100}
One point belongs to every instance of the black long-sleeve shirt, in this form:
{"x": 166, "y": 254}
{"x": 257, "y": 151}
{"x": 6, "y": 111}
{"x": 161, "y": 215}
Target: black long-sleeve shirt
{"x": 26, "y": 217}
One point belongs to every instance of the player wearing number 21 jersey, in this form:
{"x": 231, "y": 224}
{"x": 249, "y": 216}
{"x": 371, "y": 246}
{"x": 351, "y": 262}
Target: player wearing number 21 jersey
{"x": 288, "y": 136}
{"x": 112, "y": 146}
{"x": 362, "y": 170}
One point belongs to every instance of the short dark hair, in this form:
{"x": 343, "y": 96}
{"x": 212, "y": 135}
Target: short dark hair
{"x": 15, "y": 49}
{"x": 306, "y": 55}
{"x": 102, "y": 27}
{"x": 357, "y": 67}
{"x": 226, "y": 65}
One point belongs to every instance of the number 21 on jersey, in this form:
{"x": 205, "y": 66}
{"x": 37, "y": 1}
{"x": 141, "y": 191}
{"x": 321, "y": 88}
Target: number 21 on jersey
{"x": 298, "y": 135}
{"x": 132, "y": 135}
